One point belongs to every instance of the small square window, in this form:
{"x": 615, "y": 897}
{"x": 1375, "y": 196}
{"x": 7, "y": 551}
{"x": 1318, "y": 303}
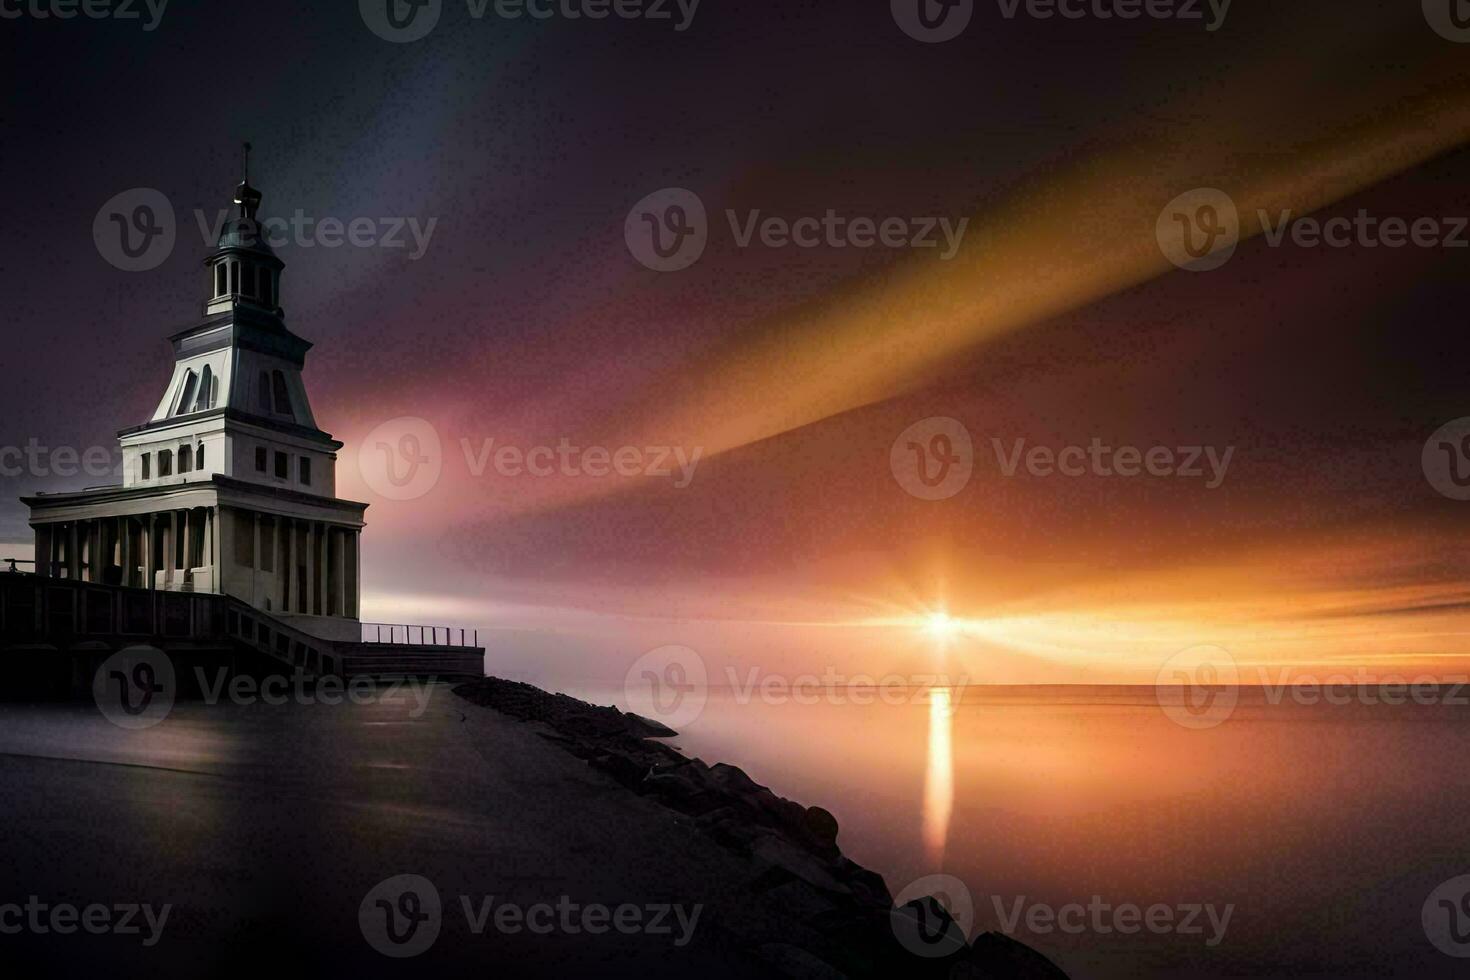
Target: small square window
{"x": 283, "y": 466}
{"x": 306, "y": 470}
{"x": 260, "y": 459}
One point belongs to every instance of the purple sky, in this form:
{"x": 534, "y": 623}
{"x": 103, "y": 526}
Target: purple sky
{"x": 527, "y": 320}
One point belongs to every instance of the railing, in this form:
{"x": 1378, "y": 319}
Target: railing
{"x": 419, "y": 636}
{"x": 10, "y": 564}
{"x": 34, "y": 609}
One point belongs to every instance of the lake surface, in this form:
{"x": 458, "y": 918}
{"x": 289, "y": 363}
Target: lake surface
{"x": 1325, "y": 826}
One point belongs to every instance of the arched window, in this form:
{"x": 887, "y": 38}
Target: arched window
{"x": 219, "y": 279}
{"x": 206, "y": 390}
{"x": 199, "y": 457}
{"x": 186, "y": 459}
{"x": 282, "y": 397}
{"x": 186, "y": 396}
{"x": 165, "y": 462}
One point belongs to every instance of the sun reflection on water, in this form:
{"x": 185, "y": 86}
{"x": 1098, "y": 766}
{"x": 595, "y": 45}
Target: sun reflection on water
{"x": 939, "y": 777}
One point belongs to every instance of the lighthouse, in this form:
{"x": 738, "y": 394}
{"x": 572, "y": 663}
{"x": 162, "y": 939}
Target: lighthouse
{"x": 230, "y": 486}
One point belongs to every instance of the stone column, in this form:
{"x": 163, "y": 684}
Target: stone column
{"x": 43, "y": 551}
{"x": 225, "y": 524}
{"x": 186, "y": 541}
{"x": 255, "y": 560}
{"x": 171, "y": 548}
{"x": 309, "y": 592}
{"x": 339, "y": 569}
{"x": 355, "y": 589}
{"x": 100, "y": 557}
{"x": 125, "y": 549}
{"x": 322, "y": 577}
{"x": 146, "y": 534}
{"x": 289, "y": 598}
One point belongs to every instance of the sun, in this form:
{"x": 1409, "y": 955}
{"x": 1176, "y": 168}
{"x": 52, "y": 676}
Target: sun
{"x": 941, "y": 625}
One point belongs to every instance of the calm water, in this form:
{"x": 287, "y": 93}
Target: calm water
{"x": 1326, "y": 827}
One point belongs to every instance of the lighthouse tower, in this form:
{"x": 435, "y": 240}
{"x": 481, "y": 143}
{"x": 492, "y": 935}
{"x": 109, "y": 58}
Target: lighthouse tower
{"x": 230, "y": 486}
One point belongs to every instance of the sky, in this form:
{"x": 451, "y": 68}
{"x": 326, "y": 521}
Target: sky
{"x": 525, "y": 152}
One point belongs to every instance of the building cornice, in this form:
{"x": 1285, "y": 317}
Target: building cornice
{"x": 218, "y": 489}
{"x": 241, "y": 326}
{"x": 238, "y": 417}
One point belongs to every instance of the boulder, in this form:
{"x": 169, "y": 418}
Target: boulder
{"x": 820, "y": 824}
{"x": 773, "y": 850}
{"x": 641, "y": 727}
{"x": 926, "y": 932}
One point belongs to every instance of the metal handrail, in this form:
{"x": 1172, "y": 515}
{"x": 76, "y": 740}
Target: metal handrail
{"x": 420, "y": 636}
{"x": 12, "y": 562}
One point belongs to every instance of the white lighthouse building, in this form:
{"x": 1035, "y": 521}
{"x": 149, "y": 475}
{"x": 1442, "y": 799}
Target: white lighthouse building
{"x": 230, "y": 487}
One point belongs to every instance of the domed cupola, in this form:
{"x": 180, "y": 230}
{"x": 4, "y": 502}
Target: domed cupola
{"x": 243, "y": 269}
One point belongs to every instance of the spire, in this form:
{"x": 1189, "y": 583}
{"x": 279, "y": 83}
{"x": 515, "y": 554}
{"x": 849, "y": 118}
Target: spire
{"x": 244, "y": 269}
{"x": 247, "y": 197}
